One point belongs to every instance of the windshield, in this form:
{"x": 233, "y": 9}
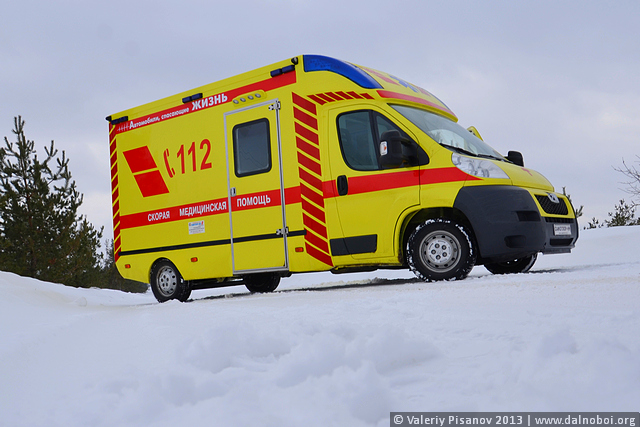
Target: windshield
{"x": 447, "y": 133}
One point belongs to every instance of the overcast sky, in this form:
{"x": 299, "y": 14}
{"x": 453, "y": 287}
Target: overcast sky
{"x": 556, "y": 80}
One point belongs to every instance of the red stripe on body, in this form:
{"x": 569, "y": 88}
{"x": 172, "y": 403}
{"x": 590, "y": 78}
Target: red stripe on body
{"x": 389, "y": 181}
{"x": 334, "y": 96}
{"x": 312, "y": 195}
{"x": 305, "y": 118}
{"x": 151, "y": 183}
{"x": 311, "y": 209}
{"x": 308, "y": 148}
{"x": 114, "y": 170}
{"x": 329, "y": 189}
{"x": 139, "y": 159}
{"x": 272, "y": 195}
{"x": 319, "y": 255}
{"x": 114, "y": 158}
{"x": 318, "y": 99}
{"x": 307, "y": 134}
{"x": 305, "y": 104}
{"x": 325, "y": 97}
{"x": 317, "y": 241}
{"x": 314, "y": 225}
{"x": 292, "y": 195}
{"x": 310, "y": 179}
{"x": 310, "y": 164}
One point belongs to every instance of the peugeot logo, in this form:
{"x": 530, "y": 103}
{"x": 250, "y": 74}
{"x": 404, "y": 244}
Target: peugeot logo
{"x": 553, "y": 198}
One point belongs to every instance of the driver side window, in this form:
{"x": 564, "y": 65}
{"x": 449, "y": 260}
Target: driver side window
{"x": 359, "y": 133}
{"x": 357, "y": 140}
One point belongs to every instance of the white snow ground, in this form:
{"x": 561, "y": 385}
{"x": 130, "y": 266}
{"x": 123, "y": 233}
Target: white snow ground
{"x": 322, "y": 352}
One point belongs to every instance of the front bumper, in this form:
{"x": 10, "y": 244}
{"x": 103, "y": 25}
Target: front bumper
{"x": 510, "y": 222}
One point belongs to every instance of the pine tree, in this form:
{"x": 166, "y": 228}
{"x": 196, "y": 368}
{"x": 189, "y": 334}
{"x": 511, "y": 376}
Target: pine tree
{"x": 622, "y": 215}
{"x": 594, "y": 223}
{"x": 41, "y": 233}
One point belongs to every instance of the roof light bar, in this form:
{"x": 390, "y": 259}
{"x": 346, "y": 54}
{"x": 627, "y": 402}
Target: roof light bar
{"x": 345, "y": 69}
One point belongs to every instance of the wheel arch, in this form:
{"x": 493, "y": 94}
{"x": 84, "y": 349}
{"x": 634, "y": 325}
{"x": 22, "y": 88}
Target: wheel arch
{"x": 412, "y": 221}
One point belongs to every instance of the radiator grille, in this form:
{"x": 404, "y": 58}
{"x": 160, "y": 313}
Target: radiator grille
{"x": 552, "y": 208}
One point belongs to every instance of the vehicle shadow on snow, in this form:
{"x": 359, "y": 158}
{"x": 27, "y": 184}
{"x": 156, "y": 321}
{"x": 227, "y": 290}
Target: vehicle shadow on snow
{"x": 320, "y": 288}
{"x": 585, "y": 267}
{"x": 550, "y": 270}
{"x": 363, "y": 284}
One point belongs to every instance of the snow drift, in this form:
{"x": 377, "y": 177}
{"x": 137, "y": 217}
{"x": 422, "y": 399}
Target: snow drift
{"x": 329, "y": 350}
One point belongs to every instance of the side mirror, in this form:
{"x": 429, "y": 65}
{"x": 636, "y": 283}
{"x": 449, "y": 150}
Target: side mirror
{"x": 516, "y": 158}
{"x": 395, "y": 149}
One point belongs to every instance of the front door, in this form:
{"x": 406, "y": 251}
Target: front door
{"x": 254, "y": 170}
{"x": 369, "y": 198}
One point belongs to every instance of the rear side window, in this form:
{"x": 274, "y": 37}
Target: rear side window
{"x": 252, "y": 148}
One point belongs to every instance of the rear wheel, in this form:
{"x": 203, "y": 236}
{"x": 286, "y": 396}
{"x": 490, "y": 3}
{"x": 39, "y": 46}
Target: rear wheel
{"x": 440, "y": 249}
{"x": 167, "y": 282}
{"x": 520, "y": 265}
{"x": 262, "y": 282}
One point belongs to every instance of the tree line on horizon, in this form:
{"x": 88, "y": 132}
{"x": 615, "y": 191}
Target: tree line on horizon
{"x": 41, "y": 233}
{"x": 623, "y": 213}
{"x": 43, "y": 236}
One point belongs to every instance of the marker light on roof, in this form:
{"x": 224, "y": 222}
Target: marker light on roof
{"x": 353, "y": 73}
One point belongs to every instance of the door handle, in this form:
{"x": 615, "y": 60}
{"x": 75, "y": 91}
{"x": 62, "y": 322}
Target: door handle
{"x": 343, "y": 185}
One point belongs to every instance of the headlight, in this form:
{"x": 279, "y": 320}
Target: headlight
{"x": 478, "y": 167}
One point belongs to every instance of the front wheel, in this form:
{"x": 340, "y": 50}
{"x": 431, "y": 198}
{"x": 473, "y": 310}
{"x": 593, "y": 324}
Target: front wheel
{"x": 167, "y": 282}
{"x": 520, "y": 265}
{"x": 440, "y": 249}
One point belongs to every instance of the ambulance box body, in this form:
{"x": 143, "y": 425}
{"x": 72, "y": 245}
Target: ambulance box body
{"x": 316, "y": 164}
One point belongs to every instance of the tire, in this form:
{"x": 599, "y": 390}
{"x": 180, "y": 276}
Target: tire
{"x": 440, "y": 249}
{"x": 520, "y": 265}
{"x": 167, "y": 282}
{"x": 262, "y": 282}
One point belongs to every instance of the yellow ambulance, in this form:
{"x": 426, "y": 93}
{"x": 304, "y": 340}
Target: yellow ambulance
{"x": 317, "y": 164}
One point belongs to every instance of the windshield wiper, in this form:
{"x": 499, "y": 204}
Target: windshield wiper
{"x": 459, "y": 150}
{"x": 489, "y": 156}
{"x": 469, "y": 153}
